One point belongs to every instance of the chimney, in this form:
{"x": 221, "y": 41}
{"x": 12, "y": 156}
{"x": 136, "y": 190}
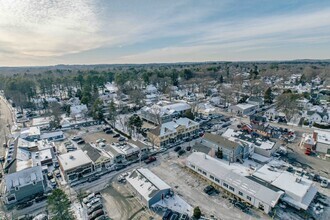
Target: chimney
{"x": 315, "y": 136}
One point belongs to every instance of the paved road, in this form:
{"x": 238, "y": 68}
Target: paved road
{"x": 5, "y": 118}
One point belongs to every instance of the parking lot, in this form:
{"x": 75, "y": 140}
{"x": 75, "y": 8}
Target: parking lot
{"x": 190, "y": 187}
{"x": 121, "y": 204}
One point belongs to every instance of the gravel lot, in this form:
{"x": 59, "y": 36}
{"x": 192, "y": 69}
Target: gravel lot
{"x": 121, "y": 204}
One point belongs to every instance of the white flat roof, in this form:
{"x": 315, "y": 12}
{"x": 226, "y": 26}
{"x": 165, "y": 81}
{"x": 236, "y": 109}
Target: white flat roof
{"x": 73, "y": 159}
{"x": 146, "y": 182}
{"x": 287, "y": 182}
{"x": 219, "y": 170}
{"x": 323, "y": 137}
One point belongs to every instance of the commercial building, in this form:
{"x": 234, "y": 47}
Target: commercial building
{"x": 242, "y": 187}
{"x": 319, "y": 141}
{"x": 75, "y": 165}
{"x": 147, "y": 187}
{"x": 260, "y": 146}
{"x": 23, "y": 185}
{"x": 101, "y": 160}
{"x": 173, "y": 131}
{"x": 243, "y": 109}
{"x": 299, "y": 192}
{"x": 231, "y": 150}
{"x": 162, "y": 113}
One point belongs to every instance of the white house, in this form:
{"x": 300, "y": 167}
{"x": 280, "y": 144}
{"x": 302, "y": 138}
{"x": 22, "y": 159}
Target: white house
{"x": 78, "y": 111}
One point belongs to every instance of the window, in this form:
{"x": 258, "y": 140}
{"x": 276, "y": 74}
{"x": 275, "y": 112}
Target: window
{"x": 248, "y": 197}
{"x": 212, "y": 177}
{"x": 217, "y": 180}
{"x": 16, "y": 188}
{"x": 225, "y": 185}
{"x": 199, "y": 170}
{"x": 232, "y": 188}
{"x": 192, "y": 166}
{"x": 261, "y": 206}
{"x": 240, "y": 193}
{"x": 204, "y": 173}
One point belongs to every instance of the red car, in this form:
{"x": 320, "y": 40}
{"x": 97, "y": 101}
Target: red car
{"x": 150, "y": 160}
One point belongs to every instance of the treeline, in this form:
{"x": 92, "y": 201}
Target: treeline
{"x": 25, "y": 89}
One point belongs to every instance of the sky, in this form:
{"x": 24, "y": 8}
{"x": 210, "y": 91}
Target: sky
{"x": 50, "y": 32}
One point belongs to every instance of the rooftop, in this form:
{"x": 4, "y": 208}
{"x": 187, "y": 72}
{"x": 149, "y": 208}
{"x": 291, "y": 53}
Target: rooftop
{"x": 323, "y": 137}
{"x": 73, "y": 159}
{"x": 296, "y": 188}
{"x": 245, "y": 106}
{"x": 170, "y": 127}
{"x": 24, "y": 177}
{"x": 224, "y": 172}
{"x": 146, "y": 182}
{"x": 223, "y": 142}
{"x": 40, "y": 121}
{"x": 238, "y": 136}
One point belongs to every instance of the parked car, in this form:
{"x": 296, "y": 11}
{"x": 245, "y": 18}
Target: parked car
{"x": 167, "y": 214}
{"x": 324, "y": 183}
{"x": 106, "y": 129}
{"x": 93, "y": 202}
{"x": 88, "y": 198}
{"x": 80, "y": 142}
{"x": 96, "y": 214}
{"x": 109, "y": 131}
{"x": 150, "y": 160}
{"x": 40, "y": 198}
{"x": 180, "y": 152}
{"x": 94, "y": 208}
{"x": 121, "y": 139}
{"x": 24, "y": 205}
{"x": 241, "y": 206}
{"x": 176, "y": 149}
{"x": 209, "y": 189}
{"x": 101, "y": 217}
{"x": 116, "y": 135}
{"x": 76, "y": 138}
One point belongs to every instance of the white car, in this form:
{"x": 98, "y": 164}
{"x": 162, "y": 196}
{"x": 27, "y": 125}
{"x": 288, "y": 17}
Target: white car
{"x": 324, "y": 183}
{"x": 94, "y": 201}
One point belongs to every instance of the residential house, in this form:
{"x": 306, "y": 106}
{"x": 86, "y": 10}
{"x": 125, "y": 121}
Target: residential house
{"x": 254, "y": 100}
{"x": 78, "y": 111}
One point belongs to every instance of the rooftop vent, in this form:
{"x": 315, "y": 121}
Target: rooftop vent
{"x": 71, "y": 157}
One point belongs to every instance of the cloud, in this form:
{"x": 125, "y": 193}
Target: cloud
{"x": 64, "y": 31}
{"x": 48, "y": 28}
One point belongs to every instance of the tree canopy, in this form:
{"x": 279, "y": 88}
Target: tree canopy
{"x": 58, "y": 206}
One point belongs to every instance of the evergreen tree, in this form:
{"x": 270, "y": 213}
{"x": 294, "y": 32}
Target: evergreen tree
{"x": 219, "y": 153}
{"x": 268, "y": 97}
{"x": 197, "y": 212}
{"x": 58, "y": 206}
